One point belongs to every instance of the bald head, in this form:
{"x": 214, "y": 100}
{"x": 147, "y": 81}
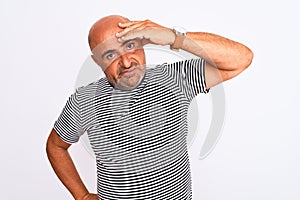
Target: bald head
{"x": 104, "y": 29}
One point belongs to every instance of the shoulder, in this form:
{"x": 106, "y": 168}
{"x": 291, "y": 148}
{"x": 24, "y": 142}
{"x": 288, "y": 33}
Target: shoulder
{"x": 93, "y": 89}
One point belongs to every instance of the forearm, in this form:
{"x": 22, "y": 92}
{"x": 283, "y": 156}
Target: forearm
{"x": 219, "y": 51}
{"x": 65, "y": 170}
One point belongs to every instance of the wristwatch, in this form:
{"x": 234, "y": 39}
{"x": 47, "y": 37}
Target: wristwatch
{"x": 180, "y": 34}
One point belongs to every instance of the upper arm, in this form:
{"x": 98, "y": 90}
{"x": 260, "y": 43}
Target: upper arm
{"x": 54, "y": 141}
{"x": 220, "y": 72}
{"x": 214, "y": 76}
{"x": 69, "y": 123}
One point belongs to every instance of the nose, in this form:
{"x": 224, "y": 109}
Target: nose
{"x": 125, "y": 61}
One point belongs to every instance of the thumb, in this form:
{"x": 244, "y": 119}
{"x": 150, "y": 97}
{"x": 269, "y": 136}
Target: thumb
{"x": 145, "y": 41}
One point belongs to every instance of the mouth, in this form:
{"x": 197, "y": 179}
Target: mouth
{"x": 128, "y": 71}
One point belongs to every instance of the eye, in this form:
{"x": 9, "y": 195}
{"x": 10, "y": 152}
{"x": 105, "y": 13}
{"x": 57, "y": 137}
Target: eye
{"x": 110, "y": 56}
{"x": 130, "y": 46}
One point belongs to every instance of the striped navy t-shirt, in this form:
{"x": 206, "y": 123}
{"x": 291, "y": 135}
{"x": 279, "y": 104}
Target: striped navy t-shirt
{"x": 138, "y": 136}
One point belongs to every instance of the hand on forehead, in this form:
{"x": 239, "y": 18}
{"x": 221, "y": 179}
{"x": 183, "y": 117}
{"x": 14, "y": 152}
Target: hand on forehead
{"x": 105, "y": 29}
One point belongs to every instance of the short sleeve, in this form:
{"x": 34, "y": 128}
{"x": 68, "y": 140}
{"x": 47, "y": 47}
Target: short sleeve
{"x": 189, "y": 75}
{"x": 68, "y": 125}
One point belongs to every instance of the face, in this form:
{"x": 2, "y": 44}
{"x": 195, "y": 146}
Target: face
{"x": 122, "y": 62}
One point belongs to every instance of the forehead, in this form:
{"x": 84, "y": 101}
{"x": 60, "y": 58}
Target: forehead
{"x": 113, "y": 45}
{"x": 105, "y": 29}
{"x": 108, "y": 44}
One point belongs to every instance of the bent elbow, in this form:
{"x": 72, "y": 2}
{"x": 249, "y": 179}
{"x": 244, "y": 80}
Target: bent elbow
{"x": 49, "y": 147}
{"x": 248, "y": 57}
{"x": 244, "y": 62}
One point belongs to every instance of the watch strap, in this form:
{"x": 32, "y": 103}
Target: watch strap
{"x": 179, "y": 38}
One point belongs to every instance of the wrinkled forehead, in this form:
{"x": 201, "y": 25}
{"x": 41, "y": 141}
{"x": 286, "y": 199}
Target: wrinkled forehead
{"x": 113, "y": 45}
{"x": 105, "y": 29}
{"x": 110, "y": 43}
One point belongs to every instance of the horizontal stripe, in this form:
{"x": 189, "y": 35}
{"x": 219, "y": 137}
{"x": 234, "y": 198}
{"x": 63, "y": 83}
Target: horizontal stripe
{"x": 138, "y": 136}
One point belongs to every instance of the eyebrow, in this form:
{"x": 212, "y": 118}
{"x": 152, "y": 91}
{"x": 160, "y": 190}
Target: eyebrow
{"x": 113, "y": 50}
{"x": 107, "y": 52}
{"x": 127, "y": 41}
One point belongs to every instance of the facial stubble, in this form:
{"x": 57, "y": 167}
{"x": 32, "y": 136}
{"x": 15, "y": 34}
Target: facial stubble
{"x": 131, "y": 81}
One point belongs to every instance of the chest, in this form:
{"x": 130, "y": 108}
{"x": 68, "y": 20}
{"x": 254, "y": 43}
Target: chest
{"x": 151, "y": 120}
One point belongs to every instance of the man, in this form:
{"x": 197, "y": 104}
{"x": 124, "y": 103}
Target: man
{"x": 136, "y": 118}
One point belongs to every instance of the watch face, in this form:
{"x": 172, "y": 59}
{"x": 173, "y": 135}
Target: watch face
{"x": 180, "y": 30}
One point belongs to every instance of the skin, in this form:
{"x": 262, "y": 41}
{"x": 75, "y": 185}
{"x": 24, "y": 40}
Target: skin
{"x": 59, "y": 157}
{"x": 123, "y": 61}
{"x": 225, "y": 60}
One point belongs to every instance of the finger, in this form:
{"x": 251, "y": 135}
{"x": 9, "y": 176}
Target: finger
{"x": 124, "y": 24}
{"x": 133, "y": 35}
{"x": 132, "y": 28}
{"x": 133, "y": 24}
{"x": 145, "y": 41}
{"x": 129, "y": 23}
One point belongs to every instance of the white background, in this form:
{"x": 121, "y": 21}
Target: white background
{"x": 43, "y": 45}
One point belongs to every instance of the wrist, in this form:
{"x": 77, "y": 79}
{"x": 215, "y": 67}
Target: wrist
{"x": 180, "y": 34}
{"x": 90, "y": 196}
{"x": 84, "y": 196}
{"x": 172, "y": 36}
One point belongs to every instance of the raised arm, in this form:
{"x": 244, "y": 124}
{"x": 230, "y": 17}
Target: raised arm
{"x": 225, "y": 58}
{"x": 57, "y": 152}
